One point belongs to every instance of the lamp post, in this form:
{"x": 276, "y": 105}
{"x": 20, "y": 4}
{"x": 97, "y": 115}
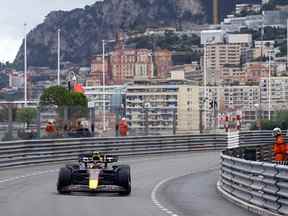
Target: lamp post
{"x": 269, "y": 86}
{"x": 257, "y": 115}
{"x": 205, "y": 100}
{"x": 25, "y": 64}
{"x": 205, "y": 83}
{"x": 287, "y": 47}
{"x": 58, "y": 57}
{"x": 103, "y": 85}
{"x": 104, "y": 81}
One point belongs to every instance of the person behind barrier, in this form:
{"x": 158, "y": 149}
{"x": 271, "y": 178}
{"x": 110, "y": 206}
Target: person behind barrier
{"x": 123, "y": 127}
{"x": 279, "y": 147}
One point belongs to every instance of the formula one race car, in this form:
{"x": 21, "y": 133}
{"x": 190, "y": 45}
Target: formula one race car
{"x": 94, "y": 173}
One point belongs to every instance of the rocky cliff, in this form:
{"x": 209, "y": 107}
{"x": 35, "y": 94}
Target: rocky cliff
{"x": 82, "y": 30}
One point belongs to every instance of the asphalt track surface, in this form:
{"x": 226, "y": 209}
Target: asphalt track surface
{"x": 157, "y": 190}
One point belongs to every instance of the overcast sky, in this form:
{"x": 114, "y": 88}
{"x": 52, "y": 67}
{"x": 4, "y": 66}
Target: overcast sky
{"x": 13, "y": 15}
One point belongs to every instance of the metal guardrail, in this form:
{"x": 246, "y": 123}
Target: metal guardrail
{"x": 262, "y": 186}
{"x": 19, "y": 153}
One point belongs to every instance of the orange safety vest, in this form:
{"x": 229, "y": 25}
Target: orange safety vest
{"x": 50, "y": 128}
{"x": 280, "y": 148}
{"x": 123, "y": 128}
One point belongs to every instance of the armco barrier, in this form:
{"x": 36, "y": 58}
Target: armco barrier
{"x": 261, "y": 187}
{"x": 43, "y": 151}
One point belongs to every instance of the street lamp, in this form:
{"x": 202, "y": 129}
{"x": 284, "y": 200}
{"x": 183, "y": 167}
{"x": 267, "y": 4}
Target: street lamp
{"x": 258, "y": 124}
{"x": 206, "y": 42}
{"x": 58, "y": 57}
{"x": 104, "y": 81}
{"x": 25, "y": 64}
{"x": 269, "y": 85}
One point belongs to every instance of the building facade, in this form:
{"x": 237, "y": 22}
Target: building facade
{"x": 162, "y": 62}
{"x": 161, "y": 107}
{"x": 96, "y": 74}
{"x": 219, "y": 55}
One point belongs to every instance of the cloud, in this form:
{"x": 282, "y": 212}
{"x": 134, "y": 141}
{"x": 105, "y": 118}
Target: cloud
{"x": 8, "y": 48}
{"x": 33, "y": 13}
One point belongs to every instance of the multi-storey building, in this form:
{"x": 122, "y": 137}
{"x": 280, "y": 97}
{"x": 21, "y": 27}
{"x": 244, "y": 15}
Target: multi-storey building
{"x": 113, "y": 97}
{"x": 219, "y": 55}
{"x": 163, "y": 62}
{"x": 96, "y": 74}
{"x": 278, "y": 94}
{"x": 212, "y": 36}
{"x": 193, "y": 72}
{"x": 229, "y": 101}
{"x": 161, "y": 107}
{"x": 247, "y": 8}
{"x": 241, "y": 100}
{"x": 256, "y": 70}
{"x": 232, "y": 74}
{"x": 129, "y": 64}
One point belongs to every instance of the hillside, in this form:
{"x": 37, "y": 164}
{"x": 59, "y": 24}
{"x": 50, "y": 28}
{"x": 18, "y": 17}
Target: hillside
{"x": 82, "y": 30}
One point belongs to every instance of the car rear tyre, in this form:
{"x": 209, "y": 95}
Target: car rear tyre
{"x": 64, "y": 180}
{"x": 124, "y": 179}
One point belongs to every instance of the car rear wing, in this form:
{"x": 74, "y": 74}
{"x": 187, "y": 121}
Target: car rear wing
{"x": 88, "y": 158}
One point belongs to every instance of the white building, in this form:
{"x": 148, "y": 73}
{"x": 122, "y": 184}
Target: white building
{"x": 275, "y": 18}
{"x": 247, "y": 8}
{"x": 97, "y": 95}
{"x": 16, "y": 79}
{"x": 160, "y": 108}
{"x": 232, "y": 23}
{"x": 212, "y": 36}
{"x": 239, "y": 39}
{"x": 278, "y": 93}
{"x": 265, "y": 43}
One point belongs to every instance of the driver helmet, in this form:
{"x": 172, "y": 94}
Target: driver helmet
{"x": 276, "y": 131}
{"x": 97, "y": 156}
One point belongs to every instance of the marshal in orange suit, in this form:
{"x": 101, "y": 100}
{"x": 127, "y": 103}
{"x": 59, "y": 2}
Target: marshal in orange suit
{"x": 280, "y": 146}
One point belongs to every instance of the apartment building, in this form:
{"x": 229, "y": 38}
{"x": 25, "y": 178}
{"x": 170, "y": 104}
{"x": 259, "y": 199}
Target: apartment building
{"x": 113, "y": 97}
{"x": 278, "y": 94}
{"x": 110, "y": 94}
{"x": 229, "y": 101}
{"x": 219, "y": 55}
{"x": 243, "y": 100}
{"x": 163, "y": 62}
{"x": 96, "y": 74}
{"x": 128, "y": 64}
{"x": 233, "y": 74}
{"x": 160, "y": 107}
{"x": 256, "y": 70}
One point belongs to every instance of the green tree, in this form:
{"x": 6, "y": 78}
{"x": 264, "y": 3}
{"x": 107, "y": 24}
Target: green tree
{"x": 55, "y": 95}
{"x": 76, "y": 104}
{"x": 60, "y": 96}
{"x": 26, "y": 115}
{"x": 280, "y": 119}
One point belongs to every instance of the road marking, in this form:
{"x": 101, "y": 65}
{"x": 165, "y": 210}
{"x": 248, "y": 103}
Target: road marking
{"x": 164, "y": 181}
{"x": 154, "y": 199}
{"x": 28, "y": 175}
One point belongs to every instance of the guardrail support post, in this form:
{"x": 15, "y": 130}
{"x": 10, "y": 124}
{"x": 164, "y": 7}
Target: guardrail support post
{"x": 10, "y": 123}
{"x": 174, "y": 122}
{"x": 146, "y": 122}
{"x": 38, "y": 123}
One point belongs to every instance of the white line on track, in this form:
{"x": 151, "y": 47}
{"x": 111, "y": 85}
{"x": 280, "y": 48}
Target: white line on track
{"x": 28, "y": 175}
{"x": 164, "y": 181}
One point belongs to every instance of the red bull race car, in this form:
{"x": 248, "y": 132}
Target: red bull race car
{"x": 94, "y": 173}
